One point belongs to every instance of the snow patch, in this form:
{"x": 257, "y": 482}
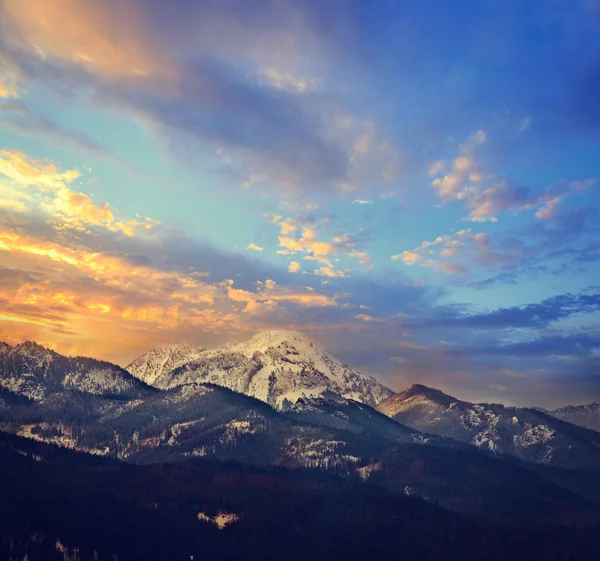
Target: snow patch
{"x": 221, "y": 520}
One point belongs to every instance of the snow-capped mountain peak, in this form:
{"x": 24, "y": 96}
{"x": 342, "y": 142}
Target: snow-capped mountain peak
{"x": 265, "y": 340}
{"x": 276, "y": 366}
{"x": 157, "y": 362}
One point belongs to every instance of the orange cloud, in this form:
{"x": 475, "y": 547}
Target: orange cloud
{"x": 106, "y": 37}
{"x": 254, "y": 247}
{"x": 68, "y": 208}
{"x": 90, "y": 302}
{"x": 298, "y": 237}
{"x": 33, "y": 172}
{"x": 82, "y": 300}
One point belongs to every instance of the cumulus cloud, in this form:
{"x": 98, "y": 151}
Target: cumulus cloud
{"x": 486, "y": 195}
{"x": 254, "y": 247}
{"x": 299, "y": 236}
{"x": 447, "y": 253}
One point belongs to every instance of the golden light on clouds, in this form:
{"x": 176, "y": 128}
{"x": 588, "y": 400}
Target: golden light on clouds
{"x": 298, "y": 237}
{"x": 59, "y": 291}
{"x": 53, "y": 196}
{"x": 28, "y": 171}
{"x": 107, "y": 37}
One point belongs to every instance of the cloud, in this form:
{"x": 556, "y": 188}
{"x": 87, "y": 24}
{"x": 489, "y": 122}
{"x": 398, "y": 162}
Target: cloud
{"x": 93, "y": 298}
{"x": 33, "y": 172}
{"x": 220, "y": 85}
{"x": 554, "y": 242}
{"x": 368, "y": 318}
{"x": 400, "y": 360}
{"x": 532, "y": 316}
{"x": 294, "y": 267}
{"x": 20, "y": 120}
{"x": 84, "y": 33}
{"x": 7, "y": 89}
{"x": 299, "y": 236}
{"x": 547, "y": 346}
{"x": 68, "y": 208}
{"x": 436, "y": 254}
{"x": 254, "y": 247}
{"x": 362, "y": 202}
{"x": 410, "y": 345}
{"x": 88, "y": 289}
{"x": 486, "y": 195}
{"x": 409, "y": 257}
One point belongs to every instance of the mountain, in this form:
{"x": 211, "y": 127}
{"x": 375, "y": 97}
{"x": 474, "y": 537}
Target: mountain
{"x": 160, "y": 361}
{"x": 472, "y": 483}
{"x": 587, "y": 416}
{"x": 58, "y": 504}
{"x": 206, "y": 421}
{"x": 277, "y": 367}
{"x": 199, "y": 420}
{"x": 529, "y": 434}
{"x": 32, "y": 371}
{"x": 353, "y": 416}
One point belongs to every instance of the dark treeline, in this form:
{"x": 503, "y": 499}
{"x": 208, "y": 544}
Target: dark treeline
{"x": 57, "y": 504}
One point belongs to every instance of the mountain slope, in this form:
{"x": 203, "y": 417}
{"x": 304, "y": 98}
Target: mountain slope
{"x": 353, "y": 416}
{"x": 277, "y": 367}
{"x": 32, "y": 371}
{"x": 472, "y": 483}
{"x": 57, "y": 504}
{"x": 587, "y": 416}
{"x": 529, "y": 434}
{"x": 162, "y": 360}
{"x": 195, "y": 420}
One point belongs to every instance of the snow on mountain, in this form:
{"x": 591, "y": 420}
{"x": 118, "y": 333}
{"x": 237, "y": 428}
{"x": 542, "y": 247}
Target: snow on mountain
{"x": 277, "y": 367}
{"x": 352, "y": 416}
{"x": 162, "y": 360}
{"x": 587, "y": 416}
{"x": 529, "y": 434}
{"x": 31, "y": 370}
{"x": 193, "y": 420}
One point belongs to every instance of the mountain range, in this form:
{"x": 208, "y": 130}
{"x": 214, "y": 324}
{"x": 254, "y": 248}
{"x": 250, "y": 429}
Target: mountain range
{"x": 279, "y": 399}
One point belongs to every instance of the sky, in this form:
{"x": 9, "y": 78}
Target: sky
{"x": 415, "y": 185}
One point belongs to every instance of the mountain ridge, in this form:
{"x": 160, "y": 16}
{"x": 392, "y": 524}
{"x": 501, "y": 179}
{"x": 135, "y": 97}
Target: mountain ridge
{"x": 529, "y": 434}
{"x": 34, "y": 371}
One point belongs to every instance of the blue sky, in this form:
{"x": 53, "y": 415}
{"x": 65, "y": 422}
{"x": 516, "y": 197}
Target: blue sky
{"x": 415, "y": 185}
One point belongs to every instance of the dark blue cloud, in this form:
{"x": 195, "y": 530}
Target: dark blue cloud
{"x": 531, "y": 316}
{"x": 575, "y": 345}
